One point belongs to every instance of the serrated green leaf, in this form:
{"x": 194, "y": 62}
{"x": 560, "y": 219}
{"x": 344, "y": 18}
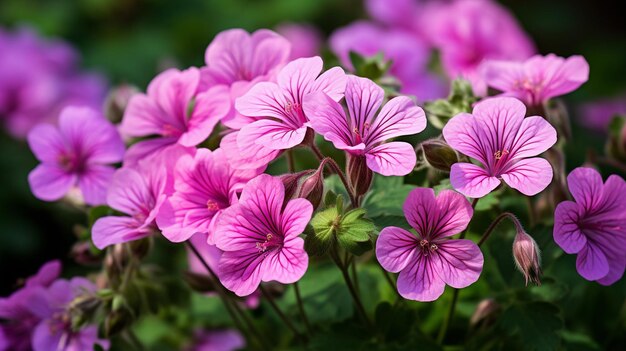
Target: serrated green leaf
{"x": 535, "y": 325}
{"x": 488, "y": 201}
{"x": 386, "y": 196}
{"x": 354, "y": 232}
{"x": 323, "y": 226}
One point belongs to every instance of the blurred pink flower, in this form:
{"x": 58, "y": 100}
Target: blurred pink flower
{"x": 218, "y": 340}
{"x": 204, "y": 186}
{"x": 429, "y": 260}
{"x": 537, "y": 79}
{"x": 505, "y": 143}
{"x": 305, "y": 39}
{"x": 40, "y": 77}
{"x": 409, "y": 55}
{"x": 362, "y": 134}
{"x": 260, "y": 237}
{"x": 175, "y": 110}
{"x": 594, "y": 226}
{"x": 598, "y": 114}
{"x": 77, "y": 153}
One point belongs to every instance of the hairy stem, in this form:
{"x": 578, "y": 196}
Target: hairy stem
{"x": 495, "y": 223}
{"x": 335, "y": 167}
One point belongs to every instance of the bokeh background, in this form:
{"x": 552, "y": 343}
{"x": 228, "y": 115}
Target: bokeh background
{"x": 129, "y": 41}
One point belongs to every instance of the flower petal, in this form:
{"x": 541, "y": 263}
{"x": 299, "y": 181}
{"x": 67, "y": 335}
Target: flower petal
{"x": 296, "y": 216}
{"x": 298, "y": 77}
{"x": 46, "y": 143}
{"x": 241, "y": 270}
{"x": 502, "y": 75}
{"x": 145, "y": 148}
{"x": 399, "y": 116}
{"x": 143, "y": 117}
{"x": 173, "y": 90}
{"x": 420, "y": 210}
{"x": 586, "y": 187}
{"x": 453, "y": 214}
{"x": 246, "y": 156}
{"x": 535, "y": 136}
{"x": 500, "y": 119}
{"x": 592, "y": 263}
{"x": 208, "y": 110}
{"x": 264, "y": 99}
{"x": 471, "y": 180}
{"x": 287, "y": 264}
{"x": 261, "y": 201}
{"x": 363, "y": 98}
{"x": 114, "y": 230}
{"x": 94, "y": 183}
{"x": 530, "y": 176}
{"x": 419, "y": 281}
{"x": 128, "y": 192}
{"x": 328, "y": 118}
{"x": 396, "y": 248}
{"x": 458, "y": 262}
{"x": 49, "y": 182}
{"x": 332, "y": 83}
{"x": 561, "y": 76}
{"x": 566, "y": 232}
{"x": 391, "y": 159}
{"x": 464, "y": 134}
{"x": 271, "y": 134}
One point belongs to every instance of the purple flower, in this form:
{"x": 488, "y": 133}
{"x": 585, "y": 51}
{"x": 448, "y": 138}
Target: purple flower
{"x": 498, "y": 136}
{"x": 306, "y": 40}
{"x": 204, "y": 185}
{"x": 15, "y": 333}
{"x": 175, "y": 110}
{"x": 260, "y": 238}
{"x": 395, "y": 13}
{"x": 218, "y": 340}
{"x": 281, "y": 122}
{"x": 429, "y": 260}
{"x": 409, "y": 55}
{"x": 363, "y": 135}
{"x": 594, "y": 226}
{"x": 77, "y": 153}
{"x": 39, "y": 78}
{"x": 468, "y": 31}
{"x": 598, "y": 114}
{"x": 51, "y": 306}
{"x": 239, "y": 60}
{"x": 537, "y": 79}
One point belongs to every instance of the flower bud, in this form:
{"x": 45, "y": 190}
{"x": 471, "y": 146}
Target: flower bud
{"x": 359, "y": 175}
{"x": 291, "y": 182}
{"x": 117, "y": 100}
{"x": 312, "y": 188}
{"x": 438, "y": 154}
{"x": 83, "y": 254}
{"x": 526, "y": 254}
{"x": 485, "y": 313}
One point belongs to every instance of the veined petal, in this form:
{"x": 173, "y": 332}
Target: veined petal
{"x": 261, "y": 202}
{"x": 458, "y": 262}
{"x": 500, "y": 119}
{"x": 567, "y": 233}
{"x": 173, "y": 91}
{"x": 129, "y": 193}
{"x": 145, "y": 148}
{"x": 298, "y": 77}
{"x": 396, "y": 248}
{"x": 391, "y": 159}
{"x": 143, "y": 117}
{"x": 296, "y": 216}
{"x": 271, "y": 134}
{"x": 208, "y": 110}
{"x": 246, "y": 156}
{"x": 399, "y": 116}
{"x": 46, "y": 143}
{"x": 235, "y": 232}
{"x": 114, "y": 230}
{"x": 421, "y": 211}
{"x": 285, "y": 265}
{"x": 592, "y": 263}
{"x": 229, "y": 55}
{"x": 530, "y": 176}
{"x": 50, "y": 182}
{"x": 241, "y": 270}
{"x": 535, "y": 136}
{"x": 586, "y": 187}
{"x": 453, "y": 214}
{"x": 264, "y": 99}
{"x": 94, "y": 183}
{"x": 464, "y": 134}
{"x": 471, "y": 180}
{"x": 328, "y": 118}
{"x": 331, "y": 83}
{"x": 502, "y": 75}
{"x": 363, "y": 98}
{"x": 270, "y": 51}
{"x": 564, "y": 77}
{"x": 419, "y": 281}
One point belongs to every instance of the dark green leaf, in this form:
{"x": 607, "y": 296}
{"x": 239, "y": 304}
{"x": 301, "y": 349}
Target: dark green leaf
{"x": 535, "y": 325}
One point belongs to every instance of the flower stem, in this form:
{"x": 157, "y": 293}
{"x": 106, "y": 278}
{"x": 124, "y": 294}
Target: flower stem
{"x": 305, "y": 319}
{"x": 495, "y": 223}
{"x": 335, "y": 167}
{"x": 446, "y": 322}
{"x": 291, "y": 166}
{"x": 268, "y": 296}
{"x": 351, "y": 288}
{"x": 389, "y": 280}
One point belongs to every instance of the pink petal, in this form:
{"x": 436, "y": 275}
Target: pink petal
{"x": 143, "y": 117}
{"x": 396, "y": 248}
{"x": 170, "y": 220}
{"x": 419, "y": 281}
{"x": 298, "y": 77}
{"x": 114, "y": 230}
{"x": 471, "y": 180}
{"x": 128, "y": 192}
{"x": 564, "y": 77}
{"x": 48, "y": 273}
{"x": 210, "y": 254}
{"x": 296, "y": 216}
{"x": 173, "y": 91}
{"x": 458, "y": 262}
{"x": 535, "y": 136}
{"x": 46, "y": 143}
{"x": 271, "y": 50}
{"x": 502, "y": 75}
{"x": 500, "y": 119}
{"x": 241, "y": 270}
{"x": 236, "y": 232}
{"x": 49, "y": 182}
{"x": 530, "y": 176}
{"x": 262, "y": 201}
{"x": 208, "y": 110}
{"x": 420, "y": 210}
{"x": 363, "y": 98}
{"x": 331, "y": 83}
{"x": 464, "y": 134}
{"x": 271, "y": 134}
{"x": 567, "y": 233}
{"x": 93, "y": 183}
{"x": 287, "y": 264}
{"x": 328, "y": 118}
{"x": 391, "y": 159}
{"x": 229, "y": 54}
{"x": 453, "y": 214}
{"x": 264, "y": 99}
{"x": 617, "y": 262}
{"x": 592, "y": 263}
{"x": 399, "y": 116}
{"x": 145, "y": 148}
{"x": 586, "y": 187}
{"x": 246, "y": 156}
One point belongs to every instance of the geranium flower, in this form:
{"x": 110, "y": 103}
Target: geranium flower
{"x": 204, "y": 185}
{"x": 504, "y": 142}
{"x": 217, "y": 340}
{"x": 537, "y": 79}
{"x": 77, "y": 153}
{"x": 173, "y": 109}
{"x": 260, "y": 238}
{"x": 429, "y": 260}
{"x": 363, "y": 135}
{"x": 594, "y": 225}
{"x": 305, "y": 39}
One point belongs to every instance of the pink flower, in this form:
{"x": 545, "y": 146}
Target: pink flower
{"x": 281, "y": 122}
{"x": 175, "y": 110}
{"x": 468, "y": 31}
{"x": 598, "y": 114}
{"x": 204, "y": 185}
{"x": 77, "y": 153}
{"x": 138, "y": 192}
{"x": 537, "y": 79}
{"x": 429, "y": 261}
{"x": 395, "y": 13}
{"x": 239, "y": 60}
{"x": 218, "y": 340}
{"x": 594, "y": 226}
{"x": 260, "y": 237}
{"x": 306, "y": 40}
{"x": 363, "y": 135}
{"x": 498, "y": 136}
{"x": 409, "y": 55}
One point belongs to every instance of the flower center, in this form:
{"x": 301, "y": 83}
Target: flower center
{"x": 358, "y": 135}
{"x": 499, "y": 154}
{"x": 71, "y": 162}
{"x": 212, "y": 205}
{"x": 271, "y": 242}
{"x": 170, "y": 131}
{"x": 428, "y": 247}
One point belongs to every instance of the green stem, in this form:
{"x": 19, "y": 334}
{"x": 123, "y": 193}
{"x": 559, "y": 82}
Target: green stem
{"x": 133, "y": 340}
{"x": 495, "y": 223}
{"x": 353, "y": 292}
{"x": 268, "y": 296}
{"x": 305, "y": 319}
{"x": 446, "y": 322}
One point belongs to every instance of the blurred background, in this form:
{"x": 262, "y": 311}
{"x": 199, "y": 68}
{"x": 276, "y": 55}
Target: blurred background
{"x": 129, "y": 41}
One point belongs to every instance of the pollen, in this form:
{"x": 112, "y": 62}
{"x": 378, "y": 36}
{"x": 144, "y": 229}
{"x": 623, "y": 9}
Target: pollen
{"x": 499, "y": 154}
{"x": 211, "y": 205}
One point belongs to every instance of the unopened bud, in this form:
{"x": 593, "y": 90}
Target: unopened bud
{"x": 83, "y": 254}
{"x": 291, "y": 182}
{"x": 359, "y": 175}
{"x": 526, "y": 254}
{"x": 312, "y": 188}
{"x": 439, "y": 155}
{"x": 117, "y": 101}
{"x": 485, "y": 313}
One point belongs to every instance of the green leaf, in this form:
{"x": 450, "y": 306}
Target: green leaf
{"x": 323, "y": 224}
{"x": 354, "y": 232}
{"x": 386, "y": 196}
{"x": 488, "y": 201}
{"x": 98, "y": 212}
{"x": 460, "y": 100}
{"x": 535, "y": 325}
